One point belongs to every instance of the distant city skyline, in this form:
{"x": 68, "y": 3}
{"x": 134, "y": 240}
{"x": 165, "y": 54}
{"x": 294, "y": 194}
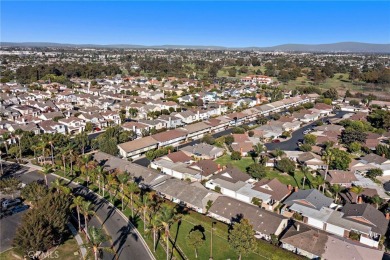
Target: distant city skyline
{"x": 229, "y": 24}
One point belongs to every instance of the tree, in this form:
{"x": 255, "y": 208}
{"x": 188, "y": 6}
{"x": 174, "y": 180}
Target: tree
{"x": 131, "y": 189}
{"x": 150, "y": 155}
{"x": 278, "y": 153}
{"x": 354, "y": 147}
{"x": 310, "y": 139}
{"x": 236, "y": 156}
{"x": 60, "y": 187}
{"x": 305, "y": 147}
{"x": 242, "y": 238}
{"x": 285, "y": 165}
{"x": 78, "y": 203}
{"x": 9, "y": 186}
{"x": 318, "y": 181}
{"x": 46, "y": 170}
{"x": 257, "y": 171}
{"x": 86, "y": 209}
{"x": 256, "y": 201}
{"x": 195, "y": 240}
{"x": 154, "y": 225}
{"x": 96, "y": 238}
{"x": 376, "y": 200}
{"x": 166, "y": 219}
{"x": 357, "y": 190}
{"x": 88, "y": 127}
{"x": 238, "y": 130}
{"x": 208, "y": 139}
{"x": 375, "y": 172}
{"x": 258, "y": 149}
{"x": 229, "y": 139}
{"x": 261, "y": 120}
{"x": 331, "y": 93}
{"x": 340, "y": 160}
{"x": 34, "y": 192}
{"x": 336, "y": 188}
{"x": 350, "y": 135}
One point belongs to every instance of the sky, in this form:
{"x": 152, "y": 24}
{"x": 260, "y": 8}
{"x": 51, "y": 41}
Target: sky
{"x": 218, "y": 23}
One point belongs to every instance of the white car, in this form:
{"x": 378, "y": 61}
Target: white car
{"x": 9, "y": 203}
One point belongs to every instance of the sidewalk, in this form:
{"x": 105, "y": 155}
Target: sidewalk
{"x": 78, "y": 239}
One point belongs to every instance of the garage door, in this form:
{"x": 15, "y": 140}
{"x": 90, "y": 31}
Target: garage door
{"x": 315, "y": 223}
{"x": 335, "y": 230}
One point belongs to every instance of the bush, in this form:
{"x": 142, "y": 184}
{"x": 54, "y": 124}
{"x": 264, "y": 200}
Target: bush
{"x": 305, "y": 147}
{"x": 238, "y": 130}
{"x": 251, "y": 133}
{"x": 229, "y": 139}
{"x": 236, "y": 156}
{"x": 257, "y": 171}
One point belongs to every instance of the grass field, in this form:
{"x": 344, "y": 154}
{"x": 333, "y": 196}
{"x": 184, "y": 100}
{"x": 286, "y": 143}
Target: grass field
{"x": 65, "y": 251}
{"x": 242, "y": 164}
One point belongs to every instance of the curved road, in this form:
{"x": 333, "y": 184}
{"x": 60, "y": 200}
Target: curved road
{"x": 123, "y": 236}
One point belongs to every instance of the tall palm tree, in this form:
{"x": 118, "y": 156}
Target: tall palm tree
{"x": 357, "y": 190}
{"x": 318, "y": 181}
{"x": 34, "y": 148}
{"x": 46, "y": 170}
{"x": 328, "y": 157}
{"x": 336, "y": 188}
{"x": 112, "y": 183}
{"x": 99, "y": 172}
{"x": 146, "y": 203}
{"x": 278, "y": 153}
{"x": 77, "y": 203}
{"x": 96, "y": 237}
{"x": 122, "y": 183}
{"x": 5, "y": 137}
{"x": 154, "y": 226}
{"x": 86, "y": 209}
{"x": 131, "y": 189}
{"x": 166, "y": 218}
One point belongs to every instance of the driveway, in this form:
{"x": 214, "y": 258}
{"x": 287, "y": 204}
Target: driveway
{"x": 126, "y": 242}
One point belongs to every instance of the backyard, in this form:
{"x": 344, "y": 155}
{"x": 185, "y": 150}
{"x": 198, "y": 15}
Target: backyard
{"x": 284, "y": 178}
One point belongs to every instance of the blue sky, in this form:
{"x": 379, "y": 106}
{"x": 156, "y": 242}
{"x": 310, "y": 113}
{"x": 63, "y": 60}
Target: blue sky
{"x": 232, "y": 24}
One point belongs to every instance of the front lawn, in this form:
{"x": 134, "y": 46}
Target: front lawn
{"x": 240, "y": 164}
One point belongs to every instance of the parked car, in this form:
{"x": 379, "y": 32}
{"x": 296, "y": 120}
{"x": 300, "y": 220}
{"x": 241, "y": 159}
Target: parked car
{"x": 5, "y": 213}
{"x": 9, "y": 203}
{"x": 19, "y": 209}
{"x": 276, "y": 141}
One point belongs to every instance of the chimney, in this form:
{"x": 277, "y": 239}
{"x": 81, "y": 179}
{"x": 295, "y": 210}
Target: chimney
{"x": 296, "y": 188}
{"x": 360, "y": 200}
{"x": 298, "y": 227}
{"x": 241, "y": 151}
{"x": 387, "y": 215}
{"x": 383, "y": 155}
{"x": 169, "y": 151}
{"x": 289, "y": 187}
{"x": 219, "y": 166}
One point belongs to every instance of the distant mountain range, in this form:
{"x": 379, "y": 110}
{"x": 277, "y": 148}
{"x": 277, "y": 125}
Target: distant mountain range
{"x": 352, "y": 47}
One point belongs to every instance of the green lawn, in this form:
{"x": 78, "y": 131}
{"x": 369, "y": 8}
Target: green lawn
{"x": 221, "y": 247}
{"x": 65, "y": 251}
{"x": 271, "y": 173}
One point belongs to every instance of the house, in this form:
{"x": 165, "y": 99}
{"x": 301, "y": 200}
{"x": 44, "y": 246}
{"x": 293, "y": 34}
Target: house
{"x": 242, "y": 144}
{"x": 277, "y": 191}
{"x": 197, "y": 130}
{"x": 311, "y": 198}
{"x": 207, "y": 168}
{"x": 311, "y": 160}
{"x": 193, "y": 196}
{"x": 138, "y": 128}
{"x": 170, "y": 121}
{"x": 170, "y": 137}
{"x": 203, "y": 151}
{"x": 343, "y": 178}
{"x": 377, "y": 161}
{"x": 51, "y": 127}
{"x": 265, "y": 223}
{"x": 186, "y": 117}
{"x": 152, "y": 124}
{"x": 137, "y": 147}
{"x": 178, "y": 170}
{"x": 73, "y": 124}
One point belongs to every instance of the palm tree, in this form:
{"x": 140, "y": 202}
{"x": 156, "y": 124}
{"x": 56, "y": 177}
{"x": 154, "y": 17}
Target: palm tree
{"x": 318, "y": 181}
{"x": 305, "y": 171}
{"x": 96, "y": 237}
{"x": 46, "y": 170}
{"x": 166, "y": 218}
{"x": 357, "y": 190}
{"x": 122, "y": 182}
{"x": 258, "y": 149}
{"x": 131, "y": 189}
{"x": 278, "y": 153}
{"x": 112, "y": 183}
{"x": 86, "y": 209}
{"x": 34, "y": 148}
{"x": 154, "y": 226}
{"x": 145, "y": 205}
{"x": 328, "y": 157}
{"x": 376, "y": 200}
{"x": 5, "y": 137}
{"x": 336, "y": 188}
{"x": 100, "y": 174}
{"x": 60, "y": 187}
{"x": 77, "y": 203}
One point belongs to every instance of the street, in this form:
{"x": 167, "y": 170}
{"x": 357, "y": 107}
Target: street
{"x": 124, "y": 238}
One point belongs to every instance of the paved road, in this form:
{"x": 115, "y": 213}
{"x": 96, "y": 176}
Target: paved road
{"x": 291, "y": 144}
{"x": 8, "y": 227}
{"x": 124, "y": 238}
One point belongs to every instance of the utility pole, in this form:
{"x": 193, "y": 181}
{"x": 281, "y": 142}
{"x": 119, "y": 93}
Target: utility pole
{"x": 211, "y": 244}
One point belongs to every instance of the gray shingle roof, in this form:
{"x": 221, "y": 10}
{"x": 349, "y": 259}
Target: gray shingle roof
{"x": 311, "y": 198}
